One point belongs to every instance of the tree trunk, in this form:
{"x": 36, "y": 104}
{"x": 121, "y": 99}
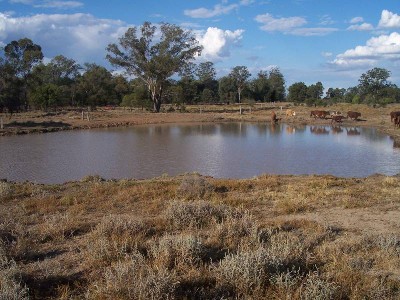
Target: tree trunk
{"x": 157, "y": 104}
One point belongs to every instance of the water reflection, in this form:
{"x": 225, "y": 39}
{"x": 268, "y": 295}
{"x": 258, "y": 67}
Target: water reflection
{"x": 353, "y": 131}
{"x": 238, "y": 150}
{"x": 319, "y": 130}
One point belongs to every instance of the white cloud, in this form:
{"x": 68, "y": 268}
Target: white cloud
{"x": 291, "y": 25}
{"x": 50, "y": 3}
{"x": 356, "y": 20}
{"x": 361, "y": 27}
{"x": 79, "y": 36}
{"x": 279, "y": 24}
{"x": 60, "y": 4}
{"x": 217, "y": 43}
{"x": 389, "y": 20}
{"x": 377, "y": 49}
{"x": 217, "y": 10}
{"x": 318, "y": 31}
{"x": 326, "y": 20}
{"x": 326, "y": 54}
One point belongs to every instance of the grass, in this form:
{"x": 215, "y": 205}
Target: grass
{"x": 194, "y": 237}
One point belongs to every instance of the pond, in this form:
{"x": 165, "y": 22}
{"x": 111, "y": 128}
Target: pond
{"x": 226, "y": 150}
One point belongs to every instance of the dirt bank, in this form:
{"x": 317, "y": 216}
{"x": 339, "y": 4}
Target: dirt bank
{"x": 40, "y": 122}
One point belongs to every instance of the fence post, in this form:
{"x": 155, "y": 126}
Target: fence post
{"x": 1, "y": 122}
{"x": 82, "y": 115}
{"x": 240, "y": 110}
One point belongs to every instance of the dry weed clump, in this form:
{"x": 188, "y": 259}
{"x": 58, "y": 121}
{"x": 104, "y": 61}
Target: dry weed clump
{"x": 6, "y": 190}
{"x": 196, "y": 214}
{"x": 246, "y": 272}
{"x": 115, "y": 237}
{"x": 237, "y": 229}
{"x": 316, "y": 288}
{"x": 134, "y": 278}
{"x": 174, "y": 251}
{"x": 11, "y": 287}
{"x": 194, "y": 186}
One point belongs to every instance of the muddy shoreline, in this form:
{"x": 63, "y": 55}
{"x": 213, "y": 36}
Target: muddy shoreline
{"x": 39, "y": 122}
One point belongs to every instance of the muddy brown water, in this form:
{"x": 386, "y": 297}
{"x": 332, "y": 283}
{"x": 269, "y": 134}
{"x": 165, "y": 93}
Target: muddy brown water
{"x": 227, "y": 150}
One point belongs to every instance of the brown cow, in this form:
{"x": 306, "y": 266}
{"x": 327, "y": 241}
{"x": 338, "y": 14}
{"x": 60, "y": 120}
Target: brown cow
{"x": 274, "y": 118}
{"x": 322, "y": 114}
{"x": 338, "y": 119}
{"x": 393, "y": 115}
{"x": 354, "y": 115}
{"x": 397, "y": 121}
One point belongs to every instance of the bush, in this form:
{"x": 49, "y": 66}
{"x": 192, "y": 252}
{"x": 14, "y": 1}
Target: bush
{"x": 245, "y": 271}
{"x": 5, "y": 190}
{"x": 317, "y": 289}
{"x": 194, "y": 186}
{"x": 10, "y": 281}
{"x": 173, "y": 250}
{"x": 195, "y": 214}
{"x": 133, "y": 278}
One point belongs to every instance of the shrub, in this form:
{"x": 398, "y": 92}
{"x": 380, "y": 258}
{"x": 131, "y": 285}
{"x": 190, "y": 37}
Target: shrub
{"x": 195, "y": 214}
{"x": 10, "y": 282}
{"x": 245, "y": 271}
{"x": 316, "y": 288}
{"x": 5, "y": 190}
{"x": 194, "y": 186}
{"x": 173, "y": 250}
{"x": 115, "y": 237}
{"x": 133, "y": 278}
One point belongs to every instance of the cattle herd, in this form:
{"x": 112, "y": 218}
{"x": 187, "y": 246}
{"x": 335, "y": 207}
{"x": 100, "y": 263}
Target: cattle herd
{"x": 336, "y": 116}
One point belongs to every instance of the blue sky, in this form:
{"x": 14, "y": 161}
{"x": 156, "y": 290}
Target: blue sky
{"x": 332, "y": 41}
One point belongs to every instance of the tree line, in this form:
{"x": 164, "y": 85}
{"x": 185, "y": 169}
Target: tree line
{"x": 160, "y": 59}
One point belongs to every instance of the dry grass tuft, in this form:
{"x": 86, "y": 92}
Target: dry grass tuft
{"x": 315, "y": 288}
{"x": 194, "y": 186}
{"x": 196, "y": 214}
{"x": 6, "y": 190}
{"x": 11, "y": 287}
{"x": 133, "y": 278}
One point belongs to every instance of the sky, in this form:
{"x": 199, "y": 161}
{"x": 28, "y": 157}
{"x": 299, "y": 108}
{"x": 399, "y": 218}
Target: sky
{"x": 332, "y": 41}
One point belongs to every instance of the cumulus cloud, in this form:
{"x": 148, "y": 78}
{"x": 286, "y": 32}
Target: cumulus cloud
{"x": 217, "y": 10}
{"x": 79, "y": 36}
{"x": 361, "y": 27}
{"x": 290, "y": 25}
{"x": 218, "y": 43}
{"x": 377, "y": 49}
{"x": 389, "y": 20}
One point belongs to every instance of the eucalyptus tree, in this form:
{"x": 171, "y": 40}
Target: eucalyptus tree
{"x": 207, "y": 84}
{"x": 240, "y": 76}
{"x": 20, "y": 57}
{"x": 373, "y": 82}
{"x": 277, "y": 85}
{"x": 154, "y": 56}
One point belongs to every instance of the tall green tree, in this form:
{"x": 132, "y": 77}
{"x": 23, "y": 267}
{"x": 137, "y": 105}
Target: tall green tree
{"x": 96, "y": 86}
{"x": 277, "y": 85}
{"x": 373, "y": 82}
{"x": 21, "y": 56}
{"x": 226, "y": 89}
{"x": 240, "y": 76}
{"x": 260, "y": 86}
{"x": 154, "y": 56}
{"x": 297, "y": 92}
{"x": 315, "y": 91}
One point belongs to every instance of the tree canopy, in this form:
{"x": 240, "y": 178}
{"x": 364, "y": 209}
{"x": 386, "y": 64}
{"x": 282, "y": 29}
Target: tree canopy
{"x": 154, "y": 59}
